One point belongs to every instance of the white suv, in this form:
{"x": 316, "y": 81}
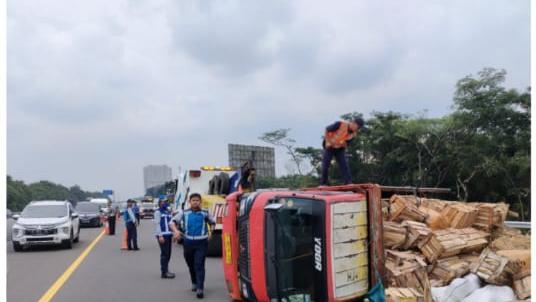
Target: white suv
{"x": 44, "y": 223}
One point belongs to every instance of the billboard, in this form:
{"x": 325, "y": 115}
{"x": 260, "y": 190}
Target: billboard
{"x": 263, "y": 158}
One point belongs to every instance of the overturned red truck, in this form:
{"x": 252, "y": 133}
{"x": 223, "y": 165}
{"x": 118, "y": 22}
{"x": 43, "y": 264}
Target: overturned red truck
{"x": 317, "y": 244}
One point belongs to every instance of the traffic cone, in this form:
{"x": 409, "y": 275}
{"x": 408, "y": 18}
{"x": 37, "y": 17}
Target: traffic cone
{"x": 106, "y": 228}
{"x": 124, "y": 244}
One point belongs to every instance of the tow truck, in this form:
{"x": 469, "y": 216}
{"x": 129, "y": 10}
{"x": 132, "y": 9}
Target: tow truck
{"x": 213, "y": 183}
{"x": 314, "y": 244}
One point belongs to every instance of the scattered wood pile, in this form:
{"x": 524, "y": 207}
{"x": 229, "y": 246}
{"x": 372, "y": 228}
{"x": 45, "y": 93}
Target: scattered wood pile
{"x": 430, "y": 242}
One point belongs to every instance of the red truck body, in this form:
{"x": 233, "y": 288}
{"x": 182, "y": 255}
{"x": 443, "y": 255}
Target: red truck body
{"x": 308, "y": 245}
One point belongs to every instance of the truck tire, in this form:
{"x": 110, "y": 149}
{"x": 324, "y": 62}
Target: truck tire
{"x": 214, "y": 245}
{"x": 224, "y": 184}
{"x": 211, "y": 186}
{"x": 217, "y": 183}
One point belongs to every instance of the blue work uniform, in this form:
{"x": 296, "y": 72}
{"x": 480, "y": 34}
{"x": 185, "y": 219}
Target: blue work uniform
{"x": 132, "y": 234}
{"x": 162, "y": 218}
{"x": 195, "y": 233}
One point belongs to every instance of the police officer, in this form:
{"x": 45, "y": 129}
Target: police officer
{"x": 130, "y": 223}
{"x": 195, "y": 223}
{"x": 162, "y": 218}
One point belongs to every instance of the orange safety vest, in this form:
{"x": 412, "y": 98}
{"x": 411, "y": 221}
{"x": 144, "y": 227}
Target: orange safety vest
{"x": 338, "y": 138}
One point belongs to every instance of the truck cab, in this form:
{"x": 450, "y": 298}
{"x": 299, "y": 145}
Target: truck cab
{"x": 300, "y": 245}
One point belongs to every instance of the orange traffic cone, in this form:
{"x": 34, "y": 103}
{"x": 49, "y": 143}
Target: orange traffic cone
{"x": 106, "y": 228}
{"x": 124, "y": 244}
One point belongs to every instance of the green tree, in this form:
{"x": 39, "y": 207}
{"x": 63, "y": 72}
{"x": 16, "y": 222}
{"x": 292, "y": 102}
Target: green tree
{"x": 493, "y": 126}
{"x": 18, "y": 194}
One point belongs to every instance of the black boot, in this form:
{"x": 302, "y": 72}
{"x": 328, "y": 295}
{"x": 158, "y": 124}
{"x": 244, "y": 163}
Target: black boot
{"x": 168, "y": 275}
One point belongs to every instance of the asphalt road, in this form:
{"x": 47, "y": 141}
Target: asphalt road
{"x": 108, "y": 273}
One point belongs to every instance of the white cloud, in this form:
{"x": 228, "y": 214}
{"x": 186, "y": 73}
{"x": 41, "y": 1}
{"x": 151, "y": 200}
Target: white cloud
{"x": 98, "y": 89}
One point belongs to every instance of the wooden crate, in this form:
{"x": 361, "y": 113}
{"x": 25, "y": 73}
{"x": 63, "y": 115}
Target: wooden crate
{"x": 405, "y": 208}
{"x": 403, "y": 294}
{"x": 450, "y": 242}
{"x": 503, "y": 267}
{"x": 434, "y": 219}
{"x": 417, "y": 234}
{"x": 435, "y": 204}
{"x": 460, "y": 215}
{"x": 408, "y": 269}
{"x": 445, "y": 270}
{"x": 522, "y": 286}
{"x": 490, "y": 215}
{"x": 394, "y": 235}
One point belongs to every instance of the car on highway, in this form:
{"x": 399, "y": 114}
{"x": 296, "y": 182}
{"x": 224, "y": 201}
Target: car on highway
{"x": 49, "y": 222}
{"x": 147, "y": 210}
{"x": 90, "y": 214}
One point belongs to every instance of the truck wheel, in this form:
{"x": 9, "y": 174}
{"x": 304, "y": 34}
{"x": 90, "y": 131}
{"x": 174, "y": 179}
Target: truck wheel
{"x": 214, "y": 245}
{"x": 217, "y": 181}
{"x": 17, "y": 247}
{"x": 211, "y": 186}
{"x": 224, "y": 184}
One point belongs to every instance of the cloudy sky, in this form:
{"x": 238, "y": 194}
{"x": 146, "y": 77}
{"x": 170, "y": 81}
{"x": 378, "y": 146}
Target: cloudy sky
{"x": 98, "y": 89}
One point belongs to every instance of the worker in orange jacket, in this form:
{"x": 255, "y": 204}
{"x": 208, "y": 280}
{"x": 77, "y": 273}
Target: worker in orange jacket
{"x": 336, "y": 140}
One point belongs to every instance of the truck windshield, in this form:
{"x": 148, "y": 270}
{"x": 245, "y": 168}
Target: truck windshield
{"x": 297, "y": 228}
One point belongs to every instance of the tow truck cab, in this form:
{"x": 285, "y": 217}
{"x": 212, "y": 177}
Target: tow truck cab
{"x": 298, "y": 246}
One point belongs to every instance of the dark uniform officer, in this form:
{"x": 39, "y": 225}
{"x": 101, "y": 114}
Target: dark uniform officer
{"x": 110, "y": 213}
{"x": 162, "y": 218}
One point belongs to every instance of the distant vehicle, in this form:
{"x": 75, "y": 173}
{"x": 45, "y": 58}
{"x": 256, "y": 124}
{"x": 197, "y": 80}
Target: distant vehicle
{"x": 90, "y": 213}
{"x": 102, "y": 201}
{"x": 147, "y": 210}
{"x": 46, "y": 223}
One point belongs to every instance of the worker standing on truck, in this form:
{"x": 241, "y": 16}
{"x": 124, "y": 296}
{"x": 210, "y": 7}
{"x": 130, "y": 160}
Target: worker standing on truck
{"x": 197, "y": 224}
{"x": 336, "y": 140}
{"x": 247, "y": 178}
{"x": 162, "y": 218}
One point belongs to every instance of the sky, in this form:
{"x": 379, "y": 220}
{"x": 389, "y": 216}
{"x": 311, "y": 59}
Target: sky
{"x": 96, "y": 90}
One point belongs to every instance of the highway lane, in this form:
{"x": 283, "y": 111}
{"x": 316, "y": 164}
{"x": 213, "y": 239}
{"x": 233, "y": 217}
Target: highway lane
{"x": 108, "y": 273}
{"x": 31, "y": 272}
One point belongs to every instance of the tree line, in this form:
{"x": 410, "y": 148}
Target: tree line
{"x": 19, "y": 194}
{"x": 481, "y": 151}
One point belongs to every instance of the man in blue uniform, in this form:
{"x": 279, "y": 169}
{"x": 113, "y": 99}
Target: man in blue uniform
{"x": 130, "y": 222}
{"x": 195, "y": 222}
{"x": 162, "y": 218}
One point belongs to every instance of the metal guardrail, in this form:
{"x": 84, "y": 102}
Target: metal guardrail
{"x": 518, "y": 224}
